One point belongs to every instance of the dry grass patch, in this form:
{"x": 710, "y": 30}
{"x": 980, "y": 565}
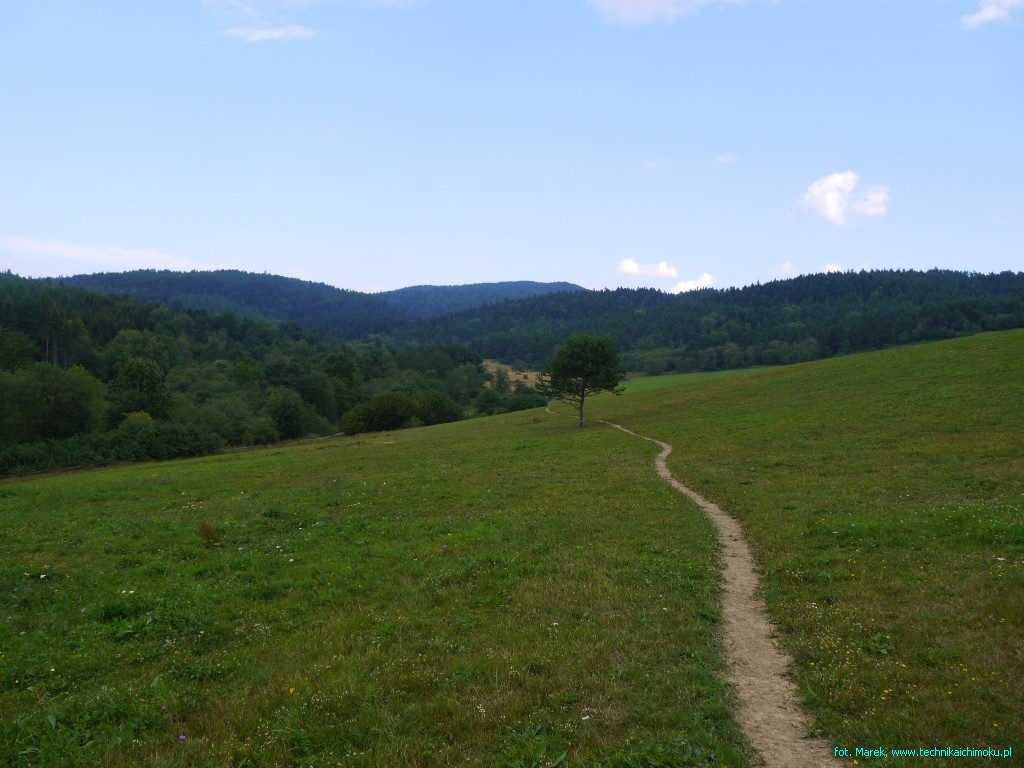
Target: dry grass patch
{"x": 528, "y": 377}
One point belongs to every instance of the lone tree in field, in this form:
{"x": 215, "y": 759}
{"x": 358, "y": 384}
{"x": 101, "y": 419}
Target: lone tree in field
{"x": 584, "y": 365}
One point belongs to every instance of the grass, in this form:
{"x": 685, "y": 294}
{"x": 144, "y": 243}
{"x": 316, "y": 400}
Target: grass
{"x": 883, "y": 495}
{"x": 502, "y": 592}
{"x": 516, "y": 592}
{"x": 671, "y": 380}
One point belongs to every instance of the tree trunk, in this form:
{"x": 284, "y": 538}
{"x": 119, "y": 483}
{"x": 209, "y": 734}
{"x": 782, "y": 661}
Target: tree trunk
{"x": 580, "y": 425}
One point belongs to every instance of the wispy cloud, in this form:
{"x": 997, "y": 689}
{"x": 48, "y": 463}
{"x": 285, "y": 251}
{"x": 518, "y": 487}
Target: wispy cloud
{"x": 704, "y": 281}
{"x": 990, "y": 10}
{"x": 833, "y": 197}
{"x": 658, "y": 164}
{"x": 638, "y": 12}
{"x": 260, "y": 20}
{"x": 786, "y": 269}
{"x": 727, "y": 158}
{"x": 873, "y": 202}
{"x": 261, "y": 34}
{"x": 661, "y": 269}
{"x": 96, "y": 257}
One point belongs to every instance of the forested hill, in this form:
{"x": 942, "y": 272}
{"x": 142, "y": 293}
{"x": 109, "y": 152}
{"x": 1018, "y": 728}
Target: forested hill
{"x": 317, "y": 307}
{"x": 784, "y": 321}
{"x": 90, "y": 378}
{"x": 433, "y": 300}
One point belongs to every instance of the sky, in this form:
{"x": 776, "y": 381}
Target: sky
{"x": 377, "y": 144}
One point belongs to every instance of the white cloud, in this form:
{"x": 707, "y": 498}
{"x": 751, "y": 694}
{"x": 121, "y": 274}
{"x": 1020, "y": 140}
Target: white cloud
{"x": 833, "y": 196}
{"x": 990, "y": 10}
{"x": 661, "y": 269}
{"x": 786, "y": 269}
{"x": 261, "y": 34}
{"x": 98, "y": 257}
{"x": 666, "y": 271}
{"x": 829, "y": 196}
{"x": 704, "y": 281}
{"x": 637, "y": 12}
{"x": 726, "y": 158}
{"x": 873, "y": 202}
{"x": 831, "y": 267}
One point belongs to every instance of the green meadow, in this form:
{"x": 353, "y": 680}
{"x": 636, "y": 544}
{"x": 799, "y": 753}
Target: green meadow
{"x": 512, "y": 591}
{"x": 883, "y": 498}
{"x": 647, "y": 383}
{"x": 505, "y": 591}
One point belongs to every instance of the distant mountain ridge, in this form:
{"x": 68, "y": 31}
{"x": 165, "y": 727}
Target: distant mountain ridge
{"x": 433, "y": 300}
{"x": 317, "y": 307}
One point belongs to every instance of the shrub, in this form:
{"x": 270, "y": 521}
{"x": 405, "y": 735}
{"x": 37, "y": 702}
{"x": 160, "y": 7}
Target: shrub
{"x": 388, "y": 410}
{"x": 260, "y": 430}
{"x": 134, "y": 440}
{"x": 524, "y": 400}
{"x": 356, "y": 420}
{"x": 435, "y": 407}
{"x": 489, "y": 402}
{"x": 137, "y": 417}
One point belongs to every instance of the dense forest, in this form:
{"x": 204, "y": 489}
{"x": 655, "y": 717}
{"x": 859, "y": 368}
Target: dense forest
{"x": 90, "y": 378}
{"x": 785, "y": 321}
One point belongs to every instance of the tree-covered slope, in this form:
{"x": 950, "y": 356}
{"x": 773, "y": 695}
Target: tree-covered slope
{"x": 317, "y": 307}
{"x": 784, "y": 321}
{"x": 90, "y": 378}
{"x": 432, "y": 300}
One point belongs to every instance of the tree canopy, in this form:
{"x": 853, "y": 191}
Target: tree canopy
{"x": 583, "y": 365}
{"x": 89, "y": 378}
{"x": 784, "y": 321}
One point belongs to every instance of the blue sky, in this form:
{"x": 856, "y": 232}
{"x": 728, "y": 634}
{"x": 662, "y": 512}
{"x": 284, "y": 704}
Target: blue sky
{"x": 375, "y": 144}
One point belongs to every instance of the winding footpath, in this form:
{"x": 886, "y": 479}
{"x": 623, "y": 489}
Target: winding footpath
{"x": 759, "y": 671}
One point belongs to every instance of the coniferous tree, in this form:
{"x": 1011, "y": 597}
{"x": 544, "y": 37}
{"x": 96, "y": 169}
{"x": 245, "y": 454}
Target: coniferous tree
{"x": 583, "y": 366}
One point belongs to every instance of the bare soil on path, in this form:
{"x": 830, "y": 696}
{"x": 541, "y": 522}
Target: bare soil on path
{"x": 759, "y": 671}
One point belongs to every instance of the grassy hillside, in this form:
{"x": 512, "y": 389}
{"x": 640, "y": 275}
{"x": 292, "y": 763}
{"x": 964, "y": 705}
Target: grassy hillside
{"x": 883, "y": 495}
{"x": 466, "y": 594}
{"x": 501, "y": 591}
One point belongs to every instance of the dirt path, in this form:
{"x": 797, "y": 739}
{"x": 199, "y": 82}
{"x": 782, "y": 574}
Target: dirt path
{"x": 759, "y": 671}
